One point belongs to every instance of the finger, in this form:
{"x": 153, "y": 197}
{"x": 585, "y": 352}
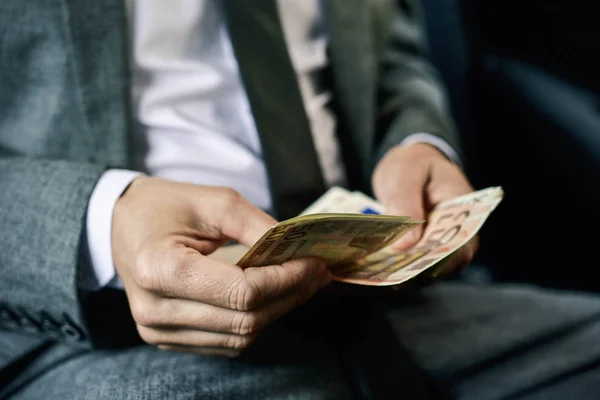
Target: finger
{"x": 183, "y": 273}
{"x": 406, "y": 199}
{"x": 186, "y": 314}
{"x": 447, "y": 182}
{"x": 410, "y": 238}
{"x": 299, "y": 276}
{"x": 194, "y": 338}
{"x": 200, "y": 244}
{"x": 403, "y": 194}
{"x": 229, "y": 353}
{"x": 235, "y": 217}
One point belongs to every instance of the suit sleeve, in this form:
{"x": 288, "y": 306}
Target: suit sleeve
{"x": 411, "y": 96}
{"x": 42, "y": 237}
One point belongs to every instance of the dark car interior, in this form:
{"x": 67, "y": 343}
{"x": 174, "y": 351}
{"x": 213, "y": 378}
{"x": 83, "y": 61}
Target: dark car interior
{"x": 524, "y": 83}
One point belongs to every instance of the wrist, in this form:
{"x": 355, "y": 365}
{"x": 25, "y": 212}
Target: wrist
{"x": 437, "y": 142}
{"x": 99, "y": 227}
{"x": 420, "y": 151}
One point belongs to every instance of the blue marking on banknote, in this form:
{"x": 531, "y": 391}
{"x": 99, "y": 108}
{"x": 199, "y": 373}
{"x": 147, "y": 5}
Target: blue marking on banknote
{"x": 369, "y": 210}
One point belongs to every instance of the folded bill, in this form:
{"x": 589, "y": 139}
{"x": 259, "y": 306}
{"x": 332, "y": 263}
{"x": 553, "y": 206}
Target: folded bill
{"x": 355, "y": 240}
{"x": 336, "y": 238}
{"x": 450, "y": 225}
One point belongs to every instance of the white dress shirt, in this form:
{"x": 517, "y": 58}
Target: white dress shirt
{"x": 193, "y": 119}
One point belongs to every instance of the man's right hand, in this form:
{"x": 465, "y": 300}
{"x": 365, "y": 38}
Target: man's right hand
{"x": 181, "y": 299}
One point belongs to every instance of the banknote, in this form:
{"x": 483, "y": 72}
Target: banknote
{"x": 360, "y": 203}
{"x": 340, "y": 200}
{"x": 332, "y": 201}
{"x": 335, "y": 238}
{"x": 356, "y": 247}
{"x": 450, "y": 225}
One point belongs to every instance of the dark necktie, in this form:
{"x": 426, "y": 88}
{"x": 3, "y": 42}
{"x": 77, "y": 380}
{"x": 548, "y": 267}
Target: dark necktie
{"x": 272, "y": 87}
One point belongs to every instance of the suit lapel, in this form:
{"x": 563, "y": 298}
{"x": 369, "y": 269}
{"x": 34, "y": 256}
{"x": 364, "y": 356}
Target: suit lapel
{"x": 352, "y": 57}
{"x": 99, "y": 44}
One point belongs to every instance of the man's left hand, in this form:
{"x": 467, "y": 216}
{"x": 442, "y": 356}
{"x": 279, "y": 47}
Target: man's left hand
{"x": 412, "y": 180}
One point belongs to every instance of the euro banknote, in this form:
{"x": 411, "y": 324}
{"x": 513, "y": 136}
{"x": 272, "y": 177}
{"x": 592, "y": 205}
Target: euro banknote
{"x": 449, "y": 227}
{"x": 335, "y": 238}
{"x": 352, "y": 234}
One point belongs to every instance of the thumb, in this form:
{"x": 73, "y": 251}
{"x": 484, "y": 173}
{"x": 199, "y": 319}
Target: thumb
{"x": 302, "y": 276}
{"x": 399, "y": 182}
{"x": 238, "y": 219}
{"x": 410, "y": 203}
{"x": 405, "y": 197}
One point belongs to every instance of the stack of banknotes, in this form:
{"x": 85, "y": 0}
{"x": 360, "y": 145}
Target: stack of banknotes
{"x": 352, "y": 234}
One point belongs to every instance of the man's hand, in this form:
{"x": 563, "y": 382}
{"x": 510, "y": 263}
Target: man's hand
{"x": 412, "y": 180}
{"x": 181, "y": 299}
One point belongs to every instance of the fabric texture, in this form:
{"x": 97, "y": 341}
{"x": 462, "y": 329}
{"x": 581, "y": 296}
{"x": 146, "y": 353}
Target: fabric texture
{"x": 63, "y": 121}
{"x": 469, "y": 339}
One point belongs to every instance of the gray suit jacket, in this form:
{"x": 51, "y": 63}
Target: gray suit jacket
{"x": 65, "y": 118}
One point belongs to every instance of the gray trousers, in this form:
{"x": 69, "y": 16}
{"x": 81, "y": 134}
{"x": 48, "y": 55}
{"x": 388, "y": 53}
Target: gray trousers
{"x": 473, "y": 341}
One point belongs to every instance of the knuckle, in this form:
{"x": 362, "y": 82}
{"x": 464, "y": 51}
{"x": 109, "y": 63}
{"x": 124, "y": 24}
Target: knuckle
{"x": 148, "y": 335}
{"x": 161, "y": 274}
{"x": 177, "y": 270}
{"x": 142, "y": 314}
{"x": 242, "y": 295}
{"x": 250, "y": 297}
{"x": 249, "y": 324}
{"x": 232, "y": 197}
{"x": 143, "y": 271}
{"x": 241, "y": 342}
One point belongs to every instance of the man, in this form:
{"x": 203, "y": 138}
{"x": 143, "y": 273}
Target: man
{"x": 234, "y": 110}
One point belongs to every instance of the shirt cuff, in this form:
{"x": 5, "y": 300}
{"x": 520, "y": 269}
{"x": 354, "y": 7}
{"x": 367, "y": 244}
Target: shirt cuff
{"x": 434, "y": 141}
{"x": 109, "y": 188}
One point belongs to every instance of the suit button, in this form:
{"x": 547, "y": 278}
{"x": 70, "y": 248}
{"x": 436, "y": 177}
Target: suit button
{"x": 70, "y": 330}
{"x": 49, "y": 325}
